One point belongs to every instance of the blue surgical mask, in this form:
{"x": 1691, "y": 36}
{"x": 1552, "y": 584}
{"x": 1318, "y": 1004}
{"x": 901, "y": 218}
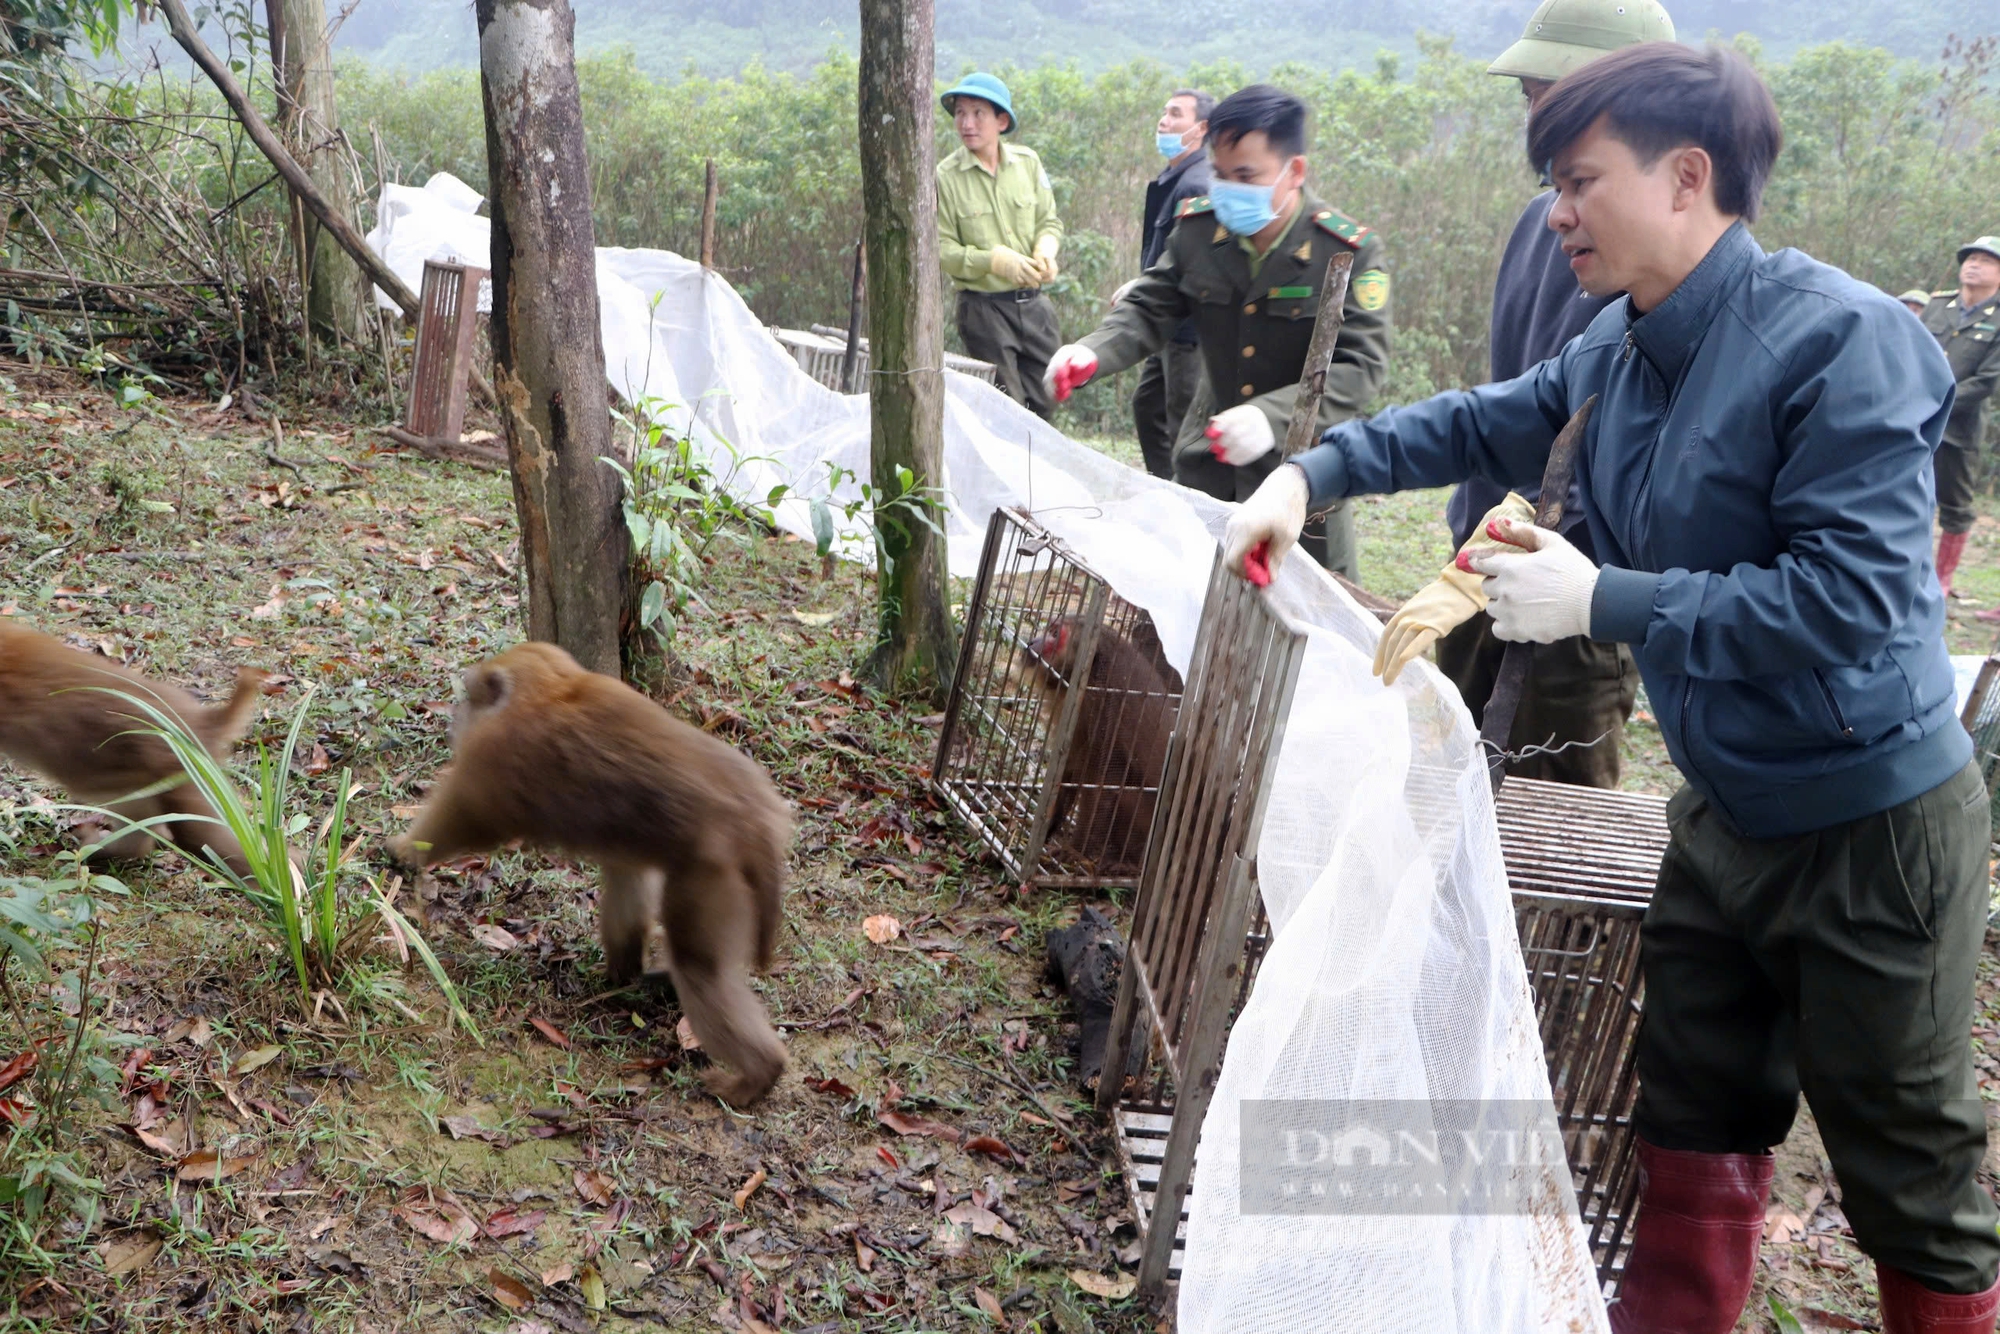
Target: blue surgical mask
{"x": 1243, "y": 209}
{"x": 1171, "y": 145}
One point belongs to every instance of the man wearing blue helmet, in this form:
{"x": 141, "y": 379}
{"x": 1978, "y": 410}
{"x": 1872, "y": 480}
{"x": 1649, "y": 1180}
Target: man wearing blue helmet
{"x": 998, "y": 235}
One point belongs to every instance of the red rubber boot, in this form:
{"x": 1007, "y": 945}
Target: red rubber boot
{"x": 1694, "y": 1243}
{"x": 1951, "y": 547}
{"x": 1908, "y": 1307}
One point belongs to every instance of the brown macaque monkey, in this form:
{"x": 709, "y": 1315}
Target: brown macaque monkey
{"x": 1111, "y": 777}
{"x": 56, "y": 720}
{"x": 689, "y": 835}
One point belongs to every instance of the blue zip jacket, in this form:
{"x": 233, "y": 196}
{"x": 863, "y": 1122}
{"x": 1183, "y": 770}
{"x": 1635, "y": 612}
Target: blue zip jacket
{"x": 1757, "y": 481}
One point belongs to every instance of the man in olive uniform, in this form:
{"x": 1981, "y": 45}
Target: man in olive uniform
{"x": 998, "y": 235}
{"x": 1964, "y": 322}
{"x": 1247, "y": 264}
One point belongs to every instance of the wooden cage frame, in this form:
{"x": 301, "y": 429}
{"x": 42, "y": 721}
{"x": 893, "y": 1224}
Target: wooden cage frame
{"x": 447, "y": 320}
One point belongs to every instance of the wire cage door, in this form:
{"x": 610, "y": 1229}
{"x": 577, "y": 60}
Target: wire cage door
{"x": 1060, "y": 716}
{"x": 1582, "y": 863}
{"x": 1198, "y": 928}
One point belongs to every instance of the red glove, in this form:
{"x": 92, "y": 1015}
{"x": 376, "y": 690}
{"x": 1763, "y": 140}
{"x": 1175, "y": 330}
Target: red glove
{"x": 1071, "y": 366}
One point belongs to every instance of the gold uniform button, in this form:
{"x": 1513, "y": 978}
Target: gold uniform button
{"x": 1249, "y": 351}
{"x": 1248, "y": 391}
{"x": 1250, "y": 309}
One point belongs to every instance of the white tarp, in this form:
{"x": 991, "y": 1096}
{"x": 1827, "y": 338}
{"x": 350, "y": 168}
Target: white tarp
{"x": 1395, "y": 970}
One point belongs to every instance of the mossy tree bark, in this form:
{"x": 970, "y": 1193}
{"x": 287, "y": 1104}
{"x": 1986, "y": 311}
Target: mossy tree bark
{"x": 915, "y": 651}
{"x": 548, "y": 354}
{"x": 310, "y": 125}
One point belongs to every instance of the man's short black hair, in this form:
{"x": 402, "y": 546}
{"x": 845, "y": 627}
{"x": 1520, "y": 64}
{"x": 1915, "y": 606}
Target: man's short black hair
{"x": 1655, "y": 97}
{"x": 1280, "y": 115}
{"x": 1204, "y": 103}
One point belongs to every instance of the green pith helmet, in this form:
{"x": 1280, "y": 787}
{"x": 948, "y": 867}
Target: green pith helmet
{"x": 1916, "y": 296}
{"x": 1986, "y": 244}
{"x": 1564, "y": 34}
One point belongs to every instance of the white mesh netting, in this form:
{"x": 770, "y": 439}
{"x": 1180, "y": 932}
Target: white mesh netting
{"x": 1395, "y": 970}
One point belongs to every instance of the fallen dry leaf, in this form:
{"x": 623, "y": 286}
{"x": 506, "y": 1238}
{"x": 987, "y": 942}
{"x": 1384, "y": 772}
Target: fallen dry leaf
{"x": 904, "y": 1124}
{"x": 206, "y": 1165}
{"x": 1781, "y": 1226}
{"x": 256, "y": 1060}
{"x": 19, "y": 1068}
{"x": 594, "y": 1186}
{"x": 983, "y": 1222}
{"x": 512, "y": 1293}
{"x": 1111, "y": 1289}
{"x": 864, "y": 1255}
{"x": 951, "y": 1238}
{"x": 814, "y": 617}
{"x": 991, "y": 1147}
{"x": 319, "y": 761}
{"x": 882, "y": 928}
{"x": 1814, "y": 1317}
{"x": 990, "y": 1305}
{"x": 561, "y": 1273}
{"x": 750, "y": 1187}
{"x": 496, "y": 938}
{"x": 172, "y": 1144}
{"x": 833, "y": 1086}
{"x": 130, "y": 1253}
{"x": 684, "y": 1034}
{"x": 592, "y": 1284}
{"x": 466, "y": 1127}
{"x": 552, "y": 1033}
{"x": 514, "y": 1223}
{"x": 441, "y": 1217}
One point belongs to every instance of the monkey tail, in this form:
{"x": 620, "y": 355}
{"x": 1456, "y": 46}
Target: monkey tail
{"x": 227, "y": 722}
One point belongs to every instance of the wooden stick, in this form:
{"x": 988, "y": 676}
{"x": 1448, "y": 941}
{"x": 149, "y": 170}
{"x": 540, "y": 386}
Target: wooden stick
{"x": 852, "y": 358}
{"x": 1300, "y": 434}
{"x": 708, "y": 192}
{"x": 183, "y": 30}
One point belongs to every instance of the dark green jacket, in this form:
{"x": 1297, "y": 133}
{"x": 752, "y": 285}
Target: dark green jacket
{"x": 1254, "y": 330}
{"x": 1970, "y": 345}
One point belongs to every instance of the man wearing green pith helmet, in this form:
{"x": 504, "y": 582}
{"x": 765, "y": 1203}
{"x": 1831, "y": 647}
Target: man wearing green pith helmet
{"x": 1579, "y": 692}
{"x": 998, "y": 235}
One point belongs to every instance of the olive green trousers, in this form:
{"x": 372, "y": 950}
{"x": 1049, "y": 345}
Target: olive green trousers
{"x": 1839, "y": 964}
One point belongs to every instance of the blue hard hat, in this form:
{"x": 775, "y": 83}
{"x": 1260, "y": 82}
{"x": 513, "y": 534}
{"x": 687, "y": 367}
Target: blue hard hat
{"x": 986, "y": 86}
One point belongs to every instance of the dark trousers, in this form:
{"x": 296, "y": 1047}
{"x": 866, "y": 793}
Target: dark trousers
{"x": 1166, "y": 388}
{"x": 1017, "y": 332}
{"x": 1839, "y": 964}
{"x": 1578, "y": 691}
{"x": 1956, "y": 469}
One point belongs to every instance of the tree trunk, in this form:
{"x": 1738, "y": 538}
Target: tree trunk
{"x": 302, "y": 58}
{"x": 548, "y": 353}
{"x": 915, "y": 651}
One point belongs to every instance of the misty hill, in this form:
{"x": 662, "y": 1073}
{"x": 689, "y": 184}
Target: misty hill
{"x": 719, "y": 37}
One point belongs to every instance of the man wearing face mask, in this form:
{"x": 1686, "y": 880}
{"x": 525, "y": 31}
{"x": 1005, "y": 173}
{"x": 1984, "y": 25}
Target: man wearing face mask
{"x": 1167, "y": 382}
{"x": 1247, "y": 264}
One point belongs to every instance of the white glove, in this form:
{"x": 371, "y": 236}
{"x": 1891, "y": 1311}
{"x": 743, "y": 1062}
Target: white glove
{"x": 1240, "y": 435}
{"x": 1266, "y": 526}
{"x": 1072, "y": 364}
{"x": 1540, "y": 594}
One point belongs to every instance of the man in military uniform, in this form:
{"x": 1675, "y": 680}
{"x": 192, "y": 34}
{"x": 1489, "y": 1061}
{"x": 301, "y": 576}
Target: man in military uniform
{"x": 1917, "y": 299}
{"x": 1964, "y": 322}
{"x": 1247, "y": 264}
{"x": 998, "y": 235}
{"x": 1167, "y": 382}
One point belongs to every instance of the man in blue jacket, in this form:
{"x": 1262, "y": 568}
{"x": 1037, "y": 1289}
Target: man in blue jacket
{"x": 1756, "y": 481}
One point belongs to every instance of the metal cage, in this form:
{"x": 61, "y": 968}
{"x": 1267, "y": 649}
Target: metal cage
{"x": 1052, "y": 752}
{"x": 447, "y": 320}
{"x": 1198, "y": 927}
{"x": 1582, "y": 863}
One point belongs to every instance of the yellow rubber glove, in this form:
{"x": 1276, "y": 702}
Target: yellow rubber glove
{"x": 1045, "y": 257}
{"x": 1011, "y": 266}
{"x": 1446, "y": 603}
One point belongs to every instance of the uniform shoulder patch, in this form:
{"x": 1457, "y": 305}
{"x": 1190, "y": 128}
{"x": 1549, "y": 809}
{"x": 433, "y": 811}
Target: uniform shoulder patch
{"x": 1194, "y": 205}
{"x": 1335, "y": 223}
{"x": 1949, "y": 291}
{"x": 1371, "y": 289}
